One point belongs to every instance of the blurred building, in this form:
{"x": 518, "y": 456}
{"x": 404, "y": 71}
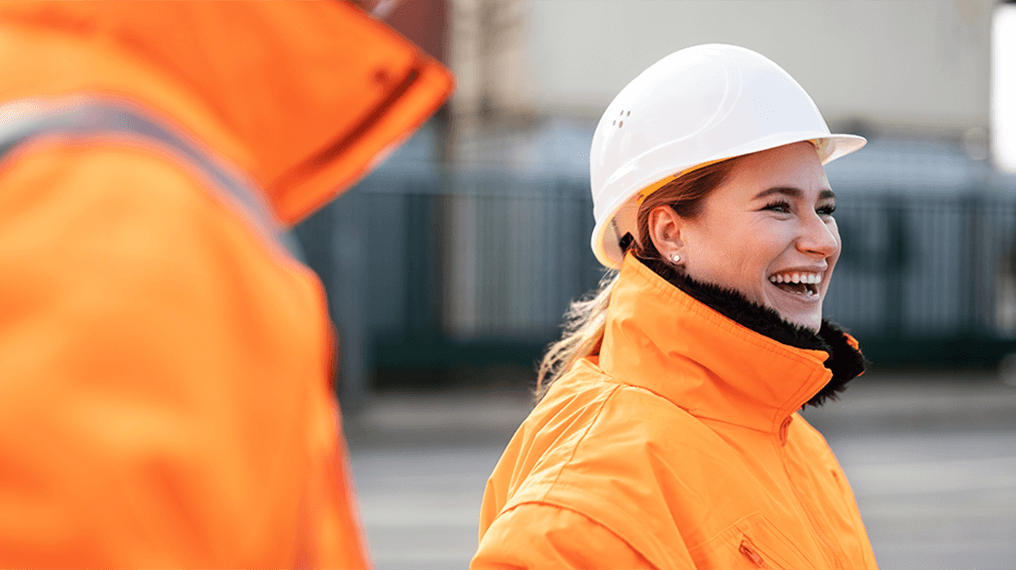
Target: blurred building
{"x": 463, "y": 250}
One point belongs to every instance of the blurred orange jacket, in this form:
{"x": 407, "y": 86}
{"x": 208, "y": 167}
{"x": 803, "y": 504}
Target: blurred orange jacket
{"x": 165, "y": 365}
{"x": 668, "y": 451}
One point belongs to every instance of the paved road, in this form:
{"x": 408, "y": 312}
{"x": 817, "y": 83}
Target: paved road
{"x": 931, "y": 458}
{"x": 421, "y": 463}
{"x": 933, "y": 467}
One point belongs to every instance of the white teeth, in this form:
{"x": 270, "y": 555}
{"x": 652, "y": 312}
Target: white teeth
{"x": 808, "y": 278}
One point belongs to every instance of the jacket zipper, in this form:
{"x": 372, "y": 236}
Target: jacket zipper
{"x": 748, "y": 549}
{"x": 784, "y": 430}
{"x": 783, "y": 433}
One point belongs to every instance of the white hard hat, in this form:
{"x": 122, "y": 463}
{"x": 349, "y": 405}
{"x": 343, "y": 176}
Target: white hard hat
{"x": 694, "y": 107}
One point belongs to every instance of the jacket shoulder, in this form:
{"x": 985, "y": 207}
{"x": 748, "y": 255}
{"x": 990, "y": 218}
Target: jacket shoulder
{"x": 612, "y": 452}
{"x": 589, "y": 416}
{"x": 554, "y": 537}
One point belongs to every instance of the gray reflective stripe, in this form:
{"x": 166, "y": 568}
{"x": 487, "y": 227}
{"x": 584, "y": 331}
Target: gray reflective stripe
{"x": 98, "y": 117}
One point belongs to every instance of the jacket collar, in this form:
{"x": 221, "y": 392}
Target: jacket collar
{"x": 680, "y": 340}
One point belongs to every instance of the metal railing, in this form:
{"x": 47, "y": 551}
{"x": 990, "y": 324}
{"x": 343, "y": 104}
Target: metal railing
{"x": 432, "y": 270}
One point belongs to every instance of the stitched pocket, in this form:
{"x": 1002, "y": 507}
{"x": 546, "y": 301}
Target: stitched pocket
{"x": 751, "y": 542}
{"x": 759, "y": 559}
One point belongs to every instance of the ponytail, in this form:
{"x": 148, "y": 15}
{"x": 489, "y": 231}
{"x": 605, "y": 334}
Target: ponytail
{"x": 584, "y": 324}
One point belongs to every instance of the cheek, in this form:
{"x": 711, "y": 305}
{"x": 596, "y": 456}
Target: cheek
{"x": 763, "y": 243}
{"x": 741, "y": 254}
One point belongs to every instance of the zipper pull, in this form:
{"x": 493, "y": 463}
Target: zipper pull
{"x": 784, "y": 429}
{"x": 749, "y": 551}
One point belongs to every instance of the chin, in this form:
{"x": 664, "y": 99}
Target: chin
{"x": 799, "y": 316}
{"x": 804, "y": 319}
{"x": 811, "y": 322}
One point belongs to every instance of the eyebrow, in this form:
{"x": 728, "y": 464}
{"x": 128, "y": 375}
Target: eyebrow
{"x": 792, "y": 192}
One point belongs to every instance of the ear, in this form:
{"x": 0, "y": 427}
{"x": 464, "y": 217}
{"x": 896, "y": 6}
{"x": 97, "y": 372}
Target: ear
{"x": 665, "y": 231}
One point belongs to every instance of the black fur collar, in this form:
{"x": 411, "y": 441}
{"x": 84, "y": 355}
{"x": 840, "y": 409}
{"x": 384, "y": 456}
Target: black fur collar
{"x": 845, "y": 362}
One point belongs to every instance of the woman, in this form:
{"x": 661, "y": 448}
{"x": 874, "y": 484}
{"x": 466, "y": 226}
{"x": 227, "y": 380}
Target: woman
{"x": 667, "y": 435}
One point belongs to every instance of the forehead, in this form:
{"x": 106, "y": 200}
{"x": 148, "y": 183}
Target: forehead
{"x": 791, "y": 166}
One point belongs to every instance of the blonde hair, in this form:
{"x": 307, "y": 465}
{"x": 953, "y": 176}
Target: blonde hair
{"x": 586, "y": 318}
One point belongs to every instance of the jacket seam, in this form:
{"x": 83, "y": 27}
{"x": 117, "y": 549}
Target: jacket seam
{"x": 542, "y": 498}
{"x": 830, "y": 456}
{"x": 823, "y": 539}
{"x": 594, "y": 520}
{"x": 621, "y": 384}
{"x": 575, "y": 448}
{"x": 699, "y": 418}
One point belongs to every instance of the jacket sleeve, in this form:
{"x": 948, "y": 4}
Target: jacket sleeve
{"x": 536, "y": 535}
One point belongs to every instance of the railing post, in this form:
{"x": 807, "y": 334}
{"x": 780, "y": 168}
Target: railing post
{"x": 894, "y": 266}
{"x": 348, "y": 288}
{"x": 972, "y": 269}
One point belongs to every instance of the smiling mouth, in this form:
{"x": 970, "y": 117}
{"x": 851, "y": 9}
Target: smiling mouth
{"x": 797, "y": 283}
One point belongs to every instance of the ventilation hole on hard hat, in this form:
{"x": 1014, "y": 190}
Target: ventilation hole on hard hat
{"x": 615, "y": 122}
{"x": 629, "y": 114}
{"x": 621, "y": 124}
{"x": 622, "y": 112}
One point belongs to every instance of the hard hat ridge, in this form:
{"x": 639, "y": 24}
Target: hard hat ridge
{"x": 694, "y": 107}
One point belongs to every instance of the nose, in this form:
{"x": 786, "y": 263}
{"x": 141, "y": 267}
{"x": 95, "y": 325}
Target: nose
{"x": 819, "y": 237}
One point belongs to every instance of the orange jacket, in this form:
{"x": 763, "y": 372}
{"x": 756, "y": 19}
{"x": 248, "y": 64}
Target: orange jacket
{"x": 165, "y": 395}
{"x": 679, "y": 446}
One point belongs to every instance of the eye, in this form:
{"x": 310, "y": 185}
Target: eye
{"x": 780, "y": 207}
{"x": 826, "y": 210}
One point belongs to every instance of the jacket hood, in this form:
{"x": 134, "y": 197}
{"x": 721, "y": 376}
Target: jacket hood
{"x": 716, "y": 354}
{"x": 306, "y": 96}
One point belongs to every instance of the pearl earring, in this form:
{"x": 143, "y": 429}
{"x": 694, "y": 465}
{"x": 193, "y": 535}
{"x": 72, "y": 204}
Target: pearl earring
{"x": 676, "y": 257}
